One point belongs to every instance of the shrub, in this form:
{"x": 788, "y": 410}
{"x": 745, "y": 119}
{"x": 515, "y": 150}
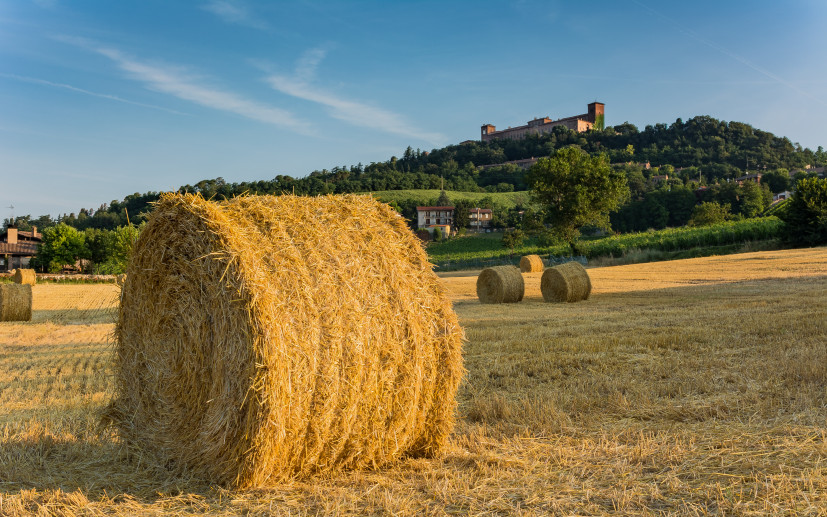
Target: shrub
{"x": 709, "y": 213}
{"x": 805, "y": 216}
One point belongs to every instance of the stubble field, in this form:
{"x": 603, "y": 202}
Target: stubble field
{"x": 693, "y": 387}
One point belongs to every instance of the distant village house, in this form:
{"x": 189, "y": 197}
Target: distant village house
{"x": 430, "y": 217}
{"x": 480, "y": 218}
{"x": 755, "y": 178}
{"x": 17, "y": 247}
{"x": 442, "y": 217}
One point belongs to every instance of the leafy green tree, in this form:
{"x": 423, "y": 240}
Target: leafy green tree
{"x": 548, "y": 239}
{"x": 513, "y": 239}
{"x": 709, "y": 212}
{"x": 62, "y": 245}
{"x": 443, "y": 199}
{"x": 753, "y": 199}
{"x": 577, "y": 189}
{"x": 462, "y": 213}
{"x": 532, "y": 222}
{"x": 806, "y": 213}
{"x": 777, "y": 180}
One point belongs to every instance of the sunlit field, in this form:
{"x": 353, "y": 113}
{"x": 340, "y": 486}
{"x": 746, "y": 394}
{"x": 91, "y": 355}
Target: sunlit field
{"x": 694, "y": 387}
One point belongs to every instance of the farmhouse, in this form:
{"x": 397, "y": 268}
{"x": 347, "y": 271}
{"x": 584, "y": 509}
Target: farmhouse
{"x": 580, "y": 123}
{"x": 480, "y": 218}
{"x": 18, "y": 247}
{"x": 429, "y": 217}
{"x": 442, "y": 217}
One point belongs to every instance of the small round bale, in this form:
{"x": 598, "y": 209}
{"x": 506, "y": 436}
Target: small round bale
{"x": 500, "y": 284}
{"x": 567, "y": 282}
{"x": 269, "y": 338}
{"x": 531, "y": 264}
{"x": 24, "y": 276}
{"x": 15, "y": 302}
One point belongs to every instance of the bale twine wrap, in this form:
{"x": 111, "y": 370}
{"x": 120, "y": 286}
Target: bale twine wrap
{"x": 531, "y": 264}
{"x": 567, "y": 282}
{"x": 24, "y": 276}
{"x": 500, "y": 284}
{"x": 15, "y": 302}
{"x": 267, "y": 338}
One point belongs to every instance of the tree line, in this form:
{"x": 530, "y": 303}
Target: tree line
{"x": 701, "y": 152}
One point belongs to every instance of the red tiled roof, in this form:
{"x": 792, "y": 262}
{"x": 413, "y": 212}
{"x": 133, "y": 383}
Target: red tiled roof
{"x": 21, "y": 248}
{"x": 481, "y": 210}
{"x": 420, "y": 208}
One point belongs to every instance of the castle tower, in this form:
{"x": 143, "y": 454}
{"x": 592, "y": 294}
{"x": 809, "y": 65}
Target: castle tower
{"x": 596, "y": 110}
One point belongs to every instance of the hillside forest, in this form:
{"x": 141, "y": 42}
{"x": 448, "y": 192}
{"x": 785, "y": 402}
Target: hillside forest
{"x": 701, "y": 157}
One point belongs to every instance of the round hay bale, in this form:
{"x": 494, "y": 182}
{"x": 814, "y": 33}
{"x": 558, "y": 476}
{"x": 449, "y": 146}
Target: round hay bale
{"x": 120, "y": 279}
{"x": 567, "y": 282}
{"x": 500, "y": 284}
{"x": 15, "y": 302}
{"x": 24, "y": 276}
{"x": 531, "y": 264}
{"x": 267, "y": 338}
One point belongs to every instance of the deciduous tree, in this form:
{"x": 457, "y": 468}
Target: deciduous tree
{"x": 577, "y": 190}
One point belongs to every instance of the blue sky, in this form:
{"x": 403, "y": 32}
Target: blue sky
{"x": 102, "y": 99}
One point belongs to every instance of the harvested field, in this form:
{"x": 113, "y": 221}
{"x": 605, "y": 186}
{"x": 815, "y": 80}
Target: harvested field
{"x": 696, "y": 387}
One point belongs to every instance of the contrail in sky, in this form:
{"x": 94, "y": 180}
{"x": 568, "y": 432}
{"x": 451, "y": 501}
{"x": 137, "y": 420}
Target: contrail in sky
{"x": 711, "y": 44}
{"x": 86, "y": 92}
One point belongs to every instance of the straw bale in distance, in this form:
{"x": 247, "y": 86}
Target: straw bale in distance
{"x": 15, "y": 302}
{"x": 531, "y": 264}
{"x": 269, "y": 338}
{"x": 500, "y": 284}
{"x": 567, "y": 282}
{"x": 24, "y": 276}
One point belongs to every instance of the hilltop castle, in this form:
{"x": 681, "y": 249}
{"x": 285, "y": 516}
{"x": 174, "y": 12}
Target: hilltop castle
{"x": 579, "y": 123}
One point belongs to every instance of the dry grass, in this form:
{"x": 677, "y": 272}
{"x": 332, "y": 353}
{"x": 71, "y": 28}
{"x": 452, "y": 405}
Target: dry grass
{"x": 695, "y": 387}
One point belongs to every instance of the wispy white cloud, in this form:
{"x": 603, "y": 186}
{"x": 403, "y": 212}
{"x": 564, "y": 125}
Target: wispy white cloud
{"x": 350, "y": 111}
{"x": 234, "y": 11}
{"x": 69, "y": 87}
{"x": 175, "y": 81}
{"x": 309, "y": 62}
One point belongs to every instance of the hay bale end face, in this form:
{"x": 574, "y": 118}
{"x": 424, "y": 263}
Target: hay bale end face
{"x": 24, "y": 276}
{"x": 15, "y": 302}
{"x": 567, "y": 282}
{"x": 531, "y": 264}
{"x": 267, "y": 338}
{"x": 500, "y": 284}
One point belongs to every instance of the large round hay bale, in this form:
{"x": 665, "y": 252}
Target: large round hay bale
{"x": 531, "y": 264}
{"x": 500, "y": 284}
{"x": 267, "y": 338}
{"x": 24, "y": 276}
{"x": 567, "y": 282}
{"x": 15, "y": 302}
